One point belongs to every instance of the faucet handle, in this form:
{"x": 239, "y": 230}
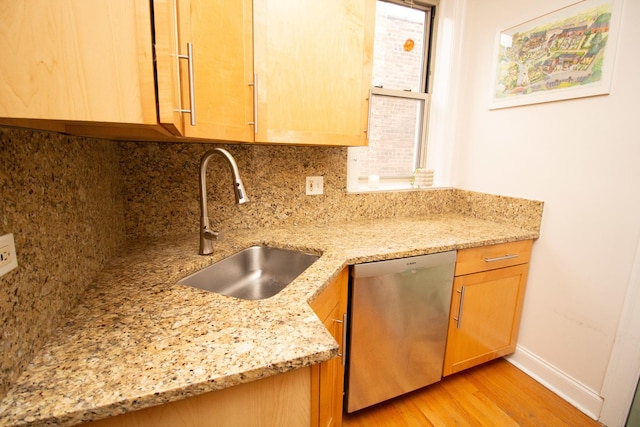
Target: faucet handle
{"x": 212, "y": 235}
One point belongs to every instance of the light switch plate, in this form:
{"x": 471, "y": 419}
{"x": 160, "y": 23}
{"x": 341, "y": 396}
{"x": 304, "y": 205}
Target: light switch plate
{"x": 315, "y": 185}
{"x": 8, "y": 258}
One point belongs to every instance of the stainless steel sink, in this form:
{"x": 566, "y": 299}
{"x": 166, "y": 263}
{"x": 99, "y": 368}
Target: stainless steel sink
{"x": 257, "y": 272}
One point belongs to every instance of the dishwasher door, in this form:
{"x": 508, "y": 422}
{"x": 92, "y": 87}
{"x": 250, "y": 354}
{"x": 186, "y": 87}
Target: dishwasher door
{"x": 399, "y": 316}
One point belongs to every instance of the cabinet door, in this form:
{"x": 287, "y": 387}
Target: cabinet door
{"x": 313, "y": 62}
{"x": 485, "y": 317}
{"x": 332, "y": 377}
{"x": 77, "y": 60}
{"x": 328, "y": 378}
{"x": 165, "y": 15}
{"x": 221, "y": 33}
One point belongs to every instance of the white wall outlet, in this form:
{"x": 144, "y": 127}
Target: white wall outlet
{"x": 315, "y": 185}
{"x": 8, "y": 258}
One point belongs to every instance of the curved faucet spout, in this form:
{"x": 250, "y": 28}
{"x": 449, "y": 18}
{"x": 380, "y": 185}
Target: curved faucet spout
{"x": 206, "y": 234}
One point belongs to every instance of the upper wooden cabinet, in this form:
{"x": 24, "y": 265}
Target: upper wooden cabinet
{"x": 268, "y": 71}
{"x": 313, "y": 61}
{"x": 221, "y": 33}
{"x": 69, "y": 63}
{"x": 277, "y": 71}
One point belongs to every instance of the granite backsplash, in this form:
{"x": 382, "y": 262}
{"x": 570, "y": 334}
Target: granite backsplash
{"x": 162, "y": 195}
{"x": 61, "y": 197}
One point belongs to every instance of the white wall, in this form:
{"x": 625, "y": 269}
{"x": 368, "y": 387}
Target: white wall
{"x": 582, "y": 158}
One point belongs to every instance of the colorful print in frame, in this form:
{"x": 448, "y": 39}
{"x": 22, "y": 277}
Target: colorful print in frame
{"x": 565, "y": 54}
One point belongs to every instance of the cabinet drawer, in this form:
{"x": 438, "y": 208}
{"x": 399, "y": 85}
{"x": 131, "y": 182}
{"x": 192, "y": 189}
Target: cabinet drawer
{"x": 485, "y": 258}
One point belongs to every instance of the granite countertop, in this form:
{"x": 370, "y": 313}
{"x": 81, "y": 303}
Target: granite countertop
{"x": 138, "y": 339}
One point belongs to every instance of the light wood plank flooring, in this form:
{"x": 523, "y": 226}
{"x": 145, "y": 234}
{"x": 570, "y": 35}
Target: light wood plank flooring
{"x": 495, "y": 394}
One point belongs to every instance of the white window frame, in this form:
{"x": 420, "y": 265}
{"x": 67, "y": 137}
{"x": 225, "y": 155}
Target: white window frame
{"x": 356, "y": 183}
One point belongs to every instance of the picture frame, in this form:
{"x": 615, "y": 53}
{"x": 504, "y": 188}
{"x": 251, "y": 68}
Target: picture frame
{"x": 565, "y": 54}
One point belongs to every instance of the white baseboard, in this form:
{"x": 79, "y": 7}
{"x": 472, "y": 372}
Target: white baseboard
{"x": 577, "y": 394}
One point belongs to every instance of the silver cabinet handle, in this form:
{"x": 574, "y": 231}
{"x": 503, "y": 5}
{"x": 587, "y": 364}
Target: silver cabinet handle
{"x": 501, "y": 258}
{"x": 369, "y": 115}
{"x": 459, "y": 318}
{"x": 344, "y": 338}
{"x": 255, "y": 103}
{"x": 192, "y": 91}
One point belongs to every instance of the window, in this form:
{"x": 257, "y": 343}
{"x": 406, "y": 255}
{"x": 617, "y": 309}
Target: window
{"x": 399, "y": 98}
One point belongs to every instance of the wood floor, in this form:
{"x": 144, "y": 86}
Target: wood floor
{"x": 495, "y": 394}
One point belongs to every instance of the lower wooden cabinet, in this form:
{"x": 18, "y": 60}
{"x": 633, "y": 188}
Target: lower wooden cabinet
{"x": 279, "y": 400}
{"x": 486, "y": 306}
{"x": 327, "y": 379}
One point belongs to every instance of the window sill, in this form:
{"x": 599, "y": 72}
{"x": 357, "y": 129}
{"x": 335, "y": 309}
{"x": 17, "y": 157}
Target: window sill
{"x": 390, "y": 187}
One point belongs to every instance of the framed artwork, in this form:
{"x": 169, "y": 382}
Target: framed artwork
{"x": 568, "y": 53}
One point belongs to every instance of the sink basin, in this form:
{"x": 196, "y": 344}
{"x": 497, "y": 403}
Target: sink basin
{"x": 255, "y": 273}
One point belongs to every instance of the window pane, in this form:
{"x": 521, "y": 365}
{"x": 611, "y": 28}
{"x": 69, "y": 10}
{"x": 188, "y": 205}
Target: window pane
{"x": 394, "y": 134}
{"x": 398, "y": 52}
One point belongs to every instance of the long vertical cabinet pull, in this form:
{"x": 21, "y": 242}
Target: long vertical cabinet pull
{"x": 343, "y": 355}
{"x": 192, "y": 91}
{"x": 369, "y": 115}
{"x": 344, "y": 339}
{"x": 255, "y": 104}
{"x": 459, "y": 318}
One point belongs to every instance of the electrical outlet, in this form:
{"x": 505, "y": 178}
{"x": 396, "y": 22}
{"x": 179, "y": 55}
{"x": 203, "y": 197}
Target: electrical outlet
{"x": 315, "y": 185}
{"x": 8, "y": 258}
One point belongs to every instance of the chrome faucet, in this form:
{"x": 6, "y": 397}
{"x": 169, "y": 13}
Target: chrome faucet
{"x": 206, "y": 234}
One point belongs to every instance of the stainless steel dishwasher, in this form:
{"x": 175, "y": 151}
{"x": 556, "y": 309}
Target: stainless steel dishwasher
{"x": 399, "y": 315}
